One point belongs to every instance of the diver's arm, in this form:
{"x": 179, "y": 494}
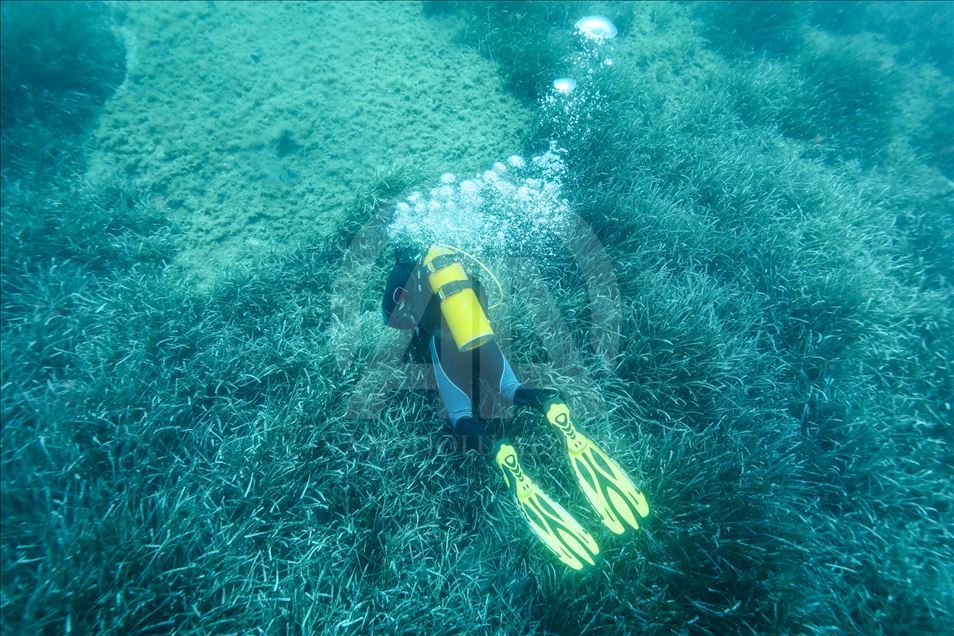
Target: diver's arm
{"x": 395, "y": 302}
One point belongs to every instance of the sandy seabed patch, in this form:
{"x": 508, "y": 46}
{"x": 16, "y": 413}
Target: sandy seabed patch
{"x": 255, "y": 123}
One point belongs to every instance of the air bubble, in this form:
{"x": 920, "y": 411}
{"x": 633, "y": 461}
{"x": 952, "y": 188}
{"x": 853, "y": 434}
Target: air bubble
{"x": 596, "y": 27}
{"x": 497, "y": 213}
{"x": 564, "y": 85}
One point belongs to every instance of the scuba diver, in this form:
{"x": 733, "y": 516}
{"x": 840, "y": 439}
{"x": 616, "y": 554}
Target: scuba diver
{"x": 430, "y": 292}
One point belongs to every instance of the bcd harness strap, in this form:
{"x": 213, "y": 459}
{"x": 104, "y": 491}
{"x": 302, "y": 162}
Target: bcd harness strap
{"x": 440, "y": 262}
{"x": 452, "y": 287}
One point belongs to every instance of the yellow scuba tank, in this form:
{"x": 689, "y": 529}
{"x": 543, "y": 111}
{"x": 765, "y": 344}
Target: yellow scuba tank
{"x": 462, "y": 311}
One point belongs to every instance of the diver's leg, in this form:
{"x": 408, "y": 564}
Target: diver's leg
{"x": 495, "y": 369}
{"x": 538, "y": 398}
{"x": 455, "y": 393}
{"x": 453, "y": 372}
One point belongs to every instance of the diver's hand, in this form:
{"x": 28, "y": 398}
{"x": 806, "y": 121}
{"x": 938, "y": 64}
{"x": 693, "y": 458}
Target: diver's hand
{"x": 402, "y": 317}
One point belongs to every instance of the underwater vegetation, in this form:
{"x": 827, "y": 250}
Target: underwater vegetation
{"x": 60, "y": 63}
{"x": 777, "y": 207}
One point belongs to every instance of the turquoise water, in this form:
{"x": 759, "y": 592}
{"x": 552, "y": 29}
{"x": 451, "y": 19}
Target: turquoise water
{"x": 724, "y": 230}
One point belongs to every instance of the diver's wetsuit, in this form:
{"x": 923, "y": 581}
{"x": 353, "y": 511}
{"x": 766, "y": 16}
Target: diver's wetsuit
{"x": 409, "y": 303}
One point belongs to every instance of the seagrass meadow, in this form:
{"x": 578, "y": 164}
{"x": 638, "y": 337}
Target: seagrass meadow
{"x": 190, "y": 312}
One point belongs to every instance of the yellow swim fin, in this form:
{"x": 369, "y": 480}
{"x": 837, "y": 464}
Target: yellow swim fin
{"x": 609, "y": 490}
{"x": 552, "y": 524}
